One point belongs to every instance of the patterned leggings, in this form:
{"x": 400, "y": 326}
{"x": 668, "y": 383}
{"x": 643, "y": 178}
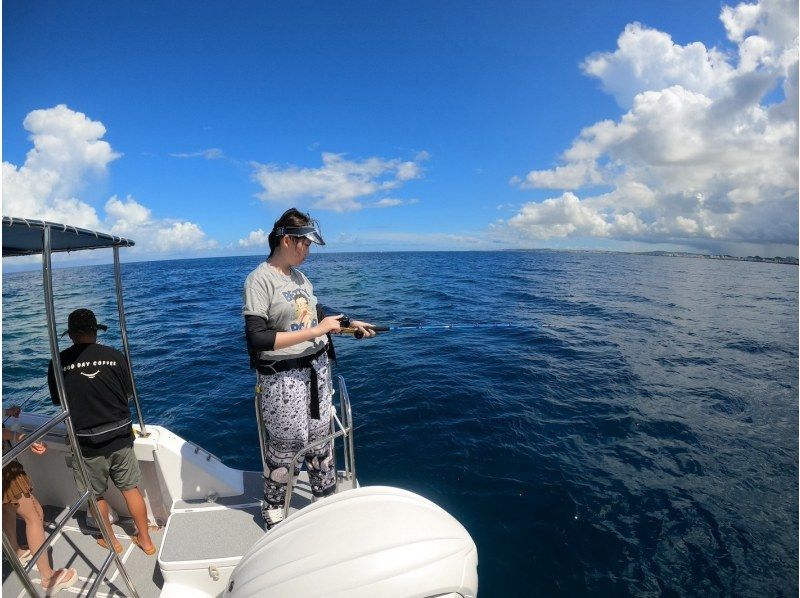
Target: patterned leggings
{"x": 285, "y": 401}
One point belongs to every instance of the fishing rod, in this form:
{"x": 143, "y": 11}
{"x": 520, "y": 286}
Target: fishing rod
{"x": 347, "y": 327}
{"x": 25, "y": 402}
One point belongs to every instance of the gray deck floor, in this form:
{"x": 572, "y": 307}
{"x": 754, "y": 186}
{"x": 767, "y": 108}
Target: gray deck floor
{"x": 77, "y": 547}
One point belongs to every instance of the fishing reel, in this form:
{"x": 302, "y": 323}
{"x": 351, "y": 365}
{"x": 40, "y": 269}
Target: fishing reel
{"x": 348, "y": 328}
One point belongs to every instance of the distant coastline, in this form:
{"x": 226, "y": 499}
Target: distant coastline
{"x": 749, "y": 258}
{"x": 707, "y": 256}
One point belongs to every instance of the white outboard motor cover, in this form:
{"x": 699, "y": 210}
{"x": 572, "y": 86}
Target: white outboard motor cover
{"x": 371, "y": 542}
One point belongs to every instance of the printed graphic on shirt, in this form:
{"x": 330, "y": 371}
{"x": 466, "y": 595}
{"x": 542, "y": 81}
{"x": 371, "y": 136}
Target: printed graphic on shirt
{"x": 86, "y": 364}
{"x": 302, "y": 309}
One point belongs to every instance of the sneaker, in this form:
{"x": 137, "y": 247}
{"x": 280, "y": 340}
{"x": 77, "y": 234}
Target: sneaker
{"x": 272, "y": 516}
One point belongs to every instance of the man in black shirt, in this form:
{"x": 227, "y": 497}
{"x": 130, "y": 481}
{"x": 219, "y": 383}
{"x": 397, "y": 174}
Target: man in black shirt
{"x": 98, "y": 385}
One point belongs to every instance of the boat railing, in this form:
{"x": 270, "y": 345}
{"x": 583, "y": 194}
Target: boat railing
{"x": 29, "y": 439}
{"x": 340, "y": 427}
{"x": 23, "y": 571}
{"x": 82, "y": 479}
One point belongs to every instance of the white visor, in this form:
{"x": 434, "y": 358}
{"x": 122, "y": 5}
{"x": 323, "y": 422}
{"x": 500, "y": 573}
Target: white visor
{"x": 310, "y": 232}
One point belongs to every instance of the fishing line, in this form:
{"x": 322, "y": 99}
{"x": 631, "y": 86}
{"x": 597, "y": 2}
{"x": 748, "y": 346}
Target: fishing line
{"x": 347, "y": 327}
{"x": 33, "y": 394}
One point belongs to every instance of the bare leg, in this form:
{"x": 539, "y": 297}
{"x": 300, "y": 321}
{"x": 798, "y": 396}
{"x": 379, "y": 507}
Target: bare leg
{"x": 103, "y": 505}
{"x": 10, "y": 526}
{"x": 135, "y": 502}
{"x": 31, "y": 512}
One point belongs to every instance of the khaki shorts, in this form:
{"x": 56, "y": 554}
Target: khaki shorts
{"x": 121, "y": 465}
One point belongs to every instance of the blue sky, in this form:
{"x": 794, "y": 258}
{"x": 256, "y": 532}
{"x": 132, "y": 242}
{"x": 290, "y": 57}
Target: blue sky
{"x": 190, "y": 127}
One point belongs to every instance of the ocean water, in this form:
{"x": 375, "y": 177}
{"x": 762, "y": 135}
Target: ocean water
{"x": 634, "y": 434}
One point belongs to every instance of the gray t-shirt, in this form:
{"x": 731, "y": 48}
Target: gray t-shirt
{"x": 287, "y": 303}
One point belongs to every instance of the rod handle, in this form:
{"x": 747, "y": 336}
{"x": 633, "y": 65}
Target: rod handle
{"x": 350, "y": 330}
{"x": 358, "y": 334}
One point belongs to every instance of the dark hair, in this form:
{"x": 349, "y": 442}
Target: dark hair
{"x": 291, "y": 217}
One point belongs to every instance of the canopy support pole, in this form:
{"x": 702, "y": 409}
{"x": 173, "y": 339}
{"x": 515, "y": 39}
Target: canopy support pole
{"x": 124, "y": 332}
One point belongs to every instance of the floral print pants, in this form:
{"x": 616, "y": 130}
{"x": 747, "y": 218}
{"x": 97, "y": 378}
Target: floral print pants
{"x": 285, "y": 400}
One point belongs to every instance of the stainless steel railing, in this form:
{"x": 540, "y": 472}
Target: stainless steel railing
{"x": 124, "y": 333}
{"x": 339, "y": 428}
{"x": 38, "y": 433}
{"x": 345, "y": 429}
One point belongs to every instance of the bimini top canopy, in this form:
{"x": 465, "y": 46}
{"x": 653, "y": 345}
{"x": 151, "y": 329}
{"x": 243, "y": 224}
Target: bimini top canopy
{"x": 24, "y": 237}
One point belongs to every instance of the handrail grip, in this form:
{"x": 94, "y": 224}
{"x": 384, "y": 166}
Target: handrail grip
{"x": 344, "y": 404}
{"x": 260, "y": 424}
{"x": 347, "y": 415}
{"x": 338, "y": 421}
{"x": 49, "y": 539}
{"x": 33, "y": 437}
{"x": 300, "y": 453}
{"x": 101, "y": 574}
{"x": 345, "y": 429}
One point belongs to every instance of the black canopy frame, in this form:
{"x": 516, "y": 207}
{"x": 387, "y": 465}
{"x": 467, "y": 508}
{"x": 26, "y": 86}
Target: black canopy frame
{"x": 24, "y": 237}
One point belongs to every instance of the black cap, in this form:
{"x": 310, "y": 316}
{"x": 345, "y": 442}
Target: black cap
{"x": 82, "y": 321}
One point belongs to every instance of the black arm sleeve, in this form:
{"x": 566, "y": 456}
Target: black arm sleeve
{"x": 321, "y": 311}
{"x": 258, "y": 336}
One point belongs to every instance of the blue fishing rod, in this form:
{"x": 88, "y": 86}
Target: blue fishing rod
{"x": 347, "y": 328}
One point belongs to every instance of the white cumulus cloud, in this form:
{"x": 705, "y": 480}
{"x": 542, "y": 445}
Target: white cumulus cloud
{"x": 68, "y": 154}
{"x": 339, "y": 184}
{"x": 703, "y": 155}
{"x": 129, "y": 218}
{"x": 256, "y": 238}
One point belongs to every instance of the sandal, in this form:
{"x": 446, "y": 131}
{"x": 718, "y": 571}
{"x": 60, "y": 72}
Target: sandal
{"x": 62, "y": 578}
{"x": 25, "y": 557}
{"x": 101, "y": 542}
{"x": 148, "y": 551}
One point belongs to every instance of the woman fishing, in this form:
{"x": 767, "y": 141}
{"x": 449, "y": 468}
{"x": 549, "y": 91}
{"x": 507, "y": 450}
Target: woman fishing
{"x": 289, "y": 344}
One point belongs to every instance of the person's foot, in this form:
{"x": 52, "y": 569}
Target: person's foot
{"x": 117, "y": 546}
{"x": 149, "y": 548}
{"x": 24, "y": 556}
{"x": 272, "y": 516}
{"x": 61, "y": 578}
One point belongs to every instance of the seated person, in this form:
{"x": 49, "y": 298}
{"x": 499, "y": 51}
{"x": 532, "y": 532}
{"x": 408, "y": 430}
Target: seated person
{"x": 98, "y": 386}
{"x": 18, "y": 499}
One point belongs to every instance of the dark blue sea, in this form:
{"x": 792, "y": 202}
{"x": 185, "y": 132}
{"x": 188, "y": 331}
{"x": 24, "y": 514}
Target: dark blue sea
{"x": 634, "y": 434}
